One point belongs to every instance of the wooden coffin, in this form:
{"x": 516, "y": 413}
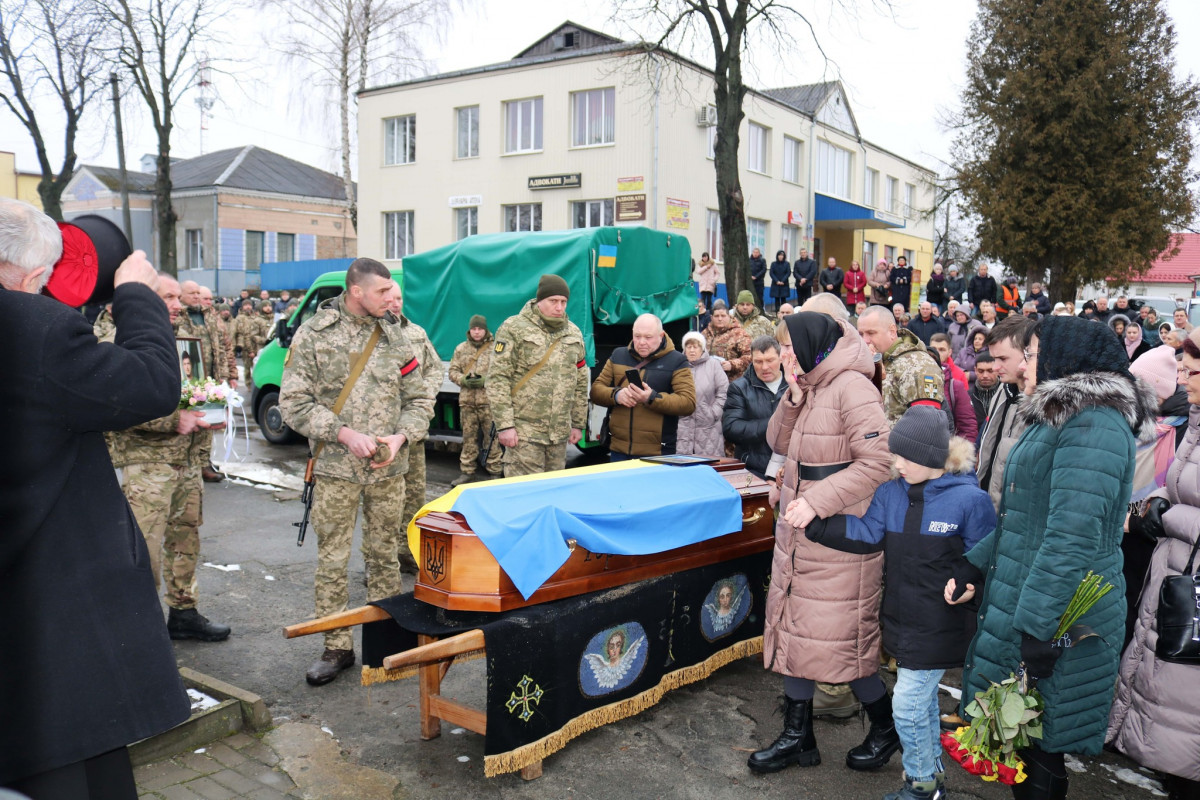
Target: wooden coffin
{"x": 458, "y": 572}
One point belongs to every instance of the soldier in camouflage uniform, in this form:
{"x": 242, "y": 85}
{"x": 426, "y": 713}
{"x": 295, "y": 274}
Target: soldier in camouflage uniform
{"x": 224, "y": 325}
{"x": 753, "y": 321}
{"x": 414, "y": 480}
{"x": 911, "y": 375}
{"x": 537, "y": 384}
{"x": 249, "y": 334}
{"x": 728, "y": 341}
{"x": 468, "y": 366}
{"x": 390, "y": 404}
{"x": 160, "y": 470}
{"x": 200, "y": 324}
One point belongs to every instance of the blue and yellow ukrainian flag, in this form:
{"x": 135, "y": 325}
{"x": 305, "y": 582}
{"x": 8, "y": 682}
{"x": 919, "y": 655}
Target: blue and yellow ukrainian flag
{"x": 608, "y": 256}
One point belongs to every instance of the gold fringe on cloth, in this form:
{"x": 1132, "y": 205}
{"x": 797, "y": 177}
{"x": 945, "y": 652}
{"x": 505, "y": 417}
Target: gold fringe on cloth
{"x": 527, "y": 754}
{"x": 373, "y": 675}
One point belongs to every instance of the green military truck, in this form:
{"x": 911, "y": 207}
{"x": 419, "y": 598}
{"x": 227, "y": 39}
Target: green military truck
{"x": 614, "y": 274}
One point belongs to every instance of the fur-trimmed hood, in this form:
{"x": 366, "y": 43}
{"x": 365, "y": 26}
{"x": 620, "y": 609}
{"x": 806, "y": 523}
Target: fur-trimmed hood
{"x": 961, "y": 458}
{"x": 1057, "y": 401}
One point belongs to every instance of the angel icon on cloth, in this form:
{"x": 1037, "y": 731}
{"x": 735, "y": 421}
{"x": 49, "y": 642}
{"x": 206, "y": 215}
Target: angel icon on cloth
{"x": 613, "y": 659}
{"x": 725, "y": 607}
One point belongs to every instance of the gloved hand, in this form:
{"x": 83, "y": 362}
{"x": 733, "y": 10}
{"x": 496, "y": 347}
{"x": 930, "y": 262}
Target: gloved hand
{"x": 1149, "y": 524}
{"x": 473, "y": 382}
{"x": 1039, "y": 656}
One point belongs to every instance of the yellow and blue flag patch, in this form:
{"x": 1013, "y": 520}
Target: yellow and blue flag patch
{"x": 608, "y": 256}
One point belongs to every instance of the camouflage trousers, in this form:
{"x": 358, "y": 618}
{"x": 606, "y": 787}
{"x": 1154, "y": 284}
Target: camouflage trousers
{"x": 204, "y": 450}
{"x": 529, "y": 458}
{"x": 414, "y": 498}
{"x": 476, "y": 423}
{"x": 167, "y": 502}
{"x": 334, "y": 512}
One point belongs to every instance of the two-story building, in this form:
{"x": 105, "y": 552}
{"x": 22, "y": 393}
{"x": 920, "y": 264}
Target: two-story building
{"x": 237, "y": 209}
{"x": 17, "y": 184}
{"x": 581, "y": 129}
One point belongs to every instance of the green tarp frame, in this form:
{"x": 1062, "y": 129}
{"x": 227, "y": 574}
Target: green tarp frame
{"x": 496, "y": 274}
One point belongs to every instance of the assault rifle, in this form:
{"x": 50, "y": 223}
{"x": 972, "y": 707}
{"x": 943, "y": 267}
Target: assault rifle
{"x": 486, "y": 450}
{"x": 306, "y": 498}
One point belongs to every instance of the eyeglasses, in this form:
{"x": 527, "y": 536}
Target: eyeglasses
{"x": 1030, "y": 355}
{"x": 1188, "y": 373}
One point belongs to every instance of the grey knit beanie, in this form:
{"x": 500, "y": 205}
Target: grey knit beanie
{"x": 922, "y": 436}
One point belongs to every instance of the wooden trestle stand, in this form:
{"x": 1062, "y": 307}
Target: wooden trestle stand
{"x": 458, "y": 573}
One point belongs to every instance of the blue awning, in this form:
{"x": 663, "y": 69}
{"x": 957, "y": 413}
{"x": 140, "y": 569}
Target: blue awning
{"x": 844, "y": 215}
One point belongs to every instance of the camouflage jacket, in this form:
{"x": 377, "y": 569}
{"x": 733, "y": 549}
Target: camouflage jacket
{"x": 471, "y": 358}
{"x": 154, "y": 442}
{"x": 552, "y": 401}
{"x": 225, "y": 329}
{"x": 431, "y": 368}
{"x": 731, "y": 344}
{"x": 250, "y": 331}
{"x": 756, "y": 324}
{"x": 216, "y": 361}
{"x": 392, "y": 395}
{"x": 910, "y": 373}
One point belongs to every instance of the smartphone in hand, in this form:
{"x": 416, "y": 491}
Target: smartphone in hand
{"x": 634, "y": 378}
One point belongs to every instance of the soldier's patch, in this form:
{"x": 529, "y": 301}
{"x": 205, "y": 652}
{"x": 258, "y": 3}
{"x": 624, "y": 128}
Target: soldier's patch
{"x": 930, "y": 386}
{"x": 409, "y": 367}
{"x": 500, "y": 347}
{"x": 582, "y": 363}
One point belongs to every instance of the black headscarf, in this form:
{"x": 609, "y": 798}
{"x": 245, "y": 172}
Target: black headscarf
{"x": 813, "y": 335}
{"x": 1069, "y": 345}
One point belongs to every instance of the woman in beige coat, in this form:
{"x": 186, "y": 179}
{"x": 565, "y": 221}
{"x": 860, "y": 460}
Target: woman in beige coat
{"x": 822, "y": 617}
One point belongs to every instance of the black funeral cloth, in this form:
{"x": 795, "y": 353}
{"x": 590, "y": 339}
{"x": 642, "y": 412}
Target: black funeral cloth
{"x": 556, "y": 670}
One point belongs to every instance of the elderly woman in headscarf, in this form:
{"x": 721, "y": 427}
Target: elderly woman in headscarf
{"x": 1067, "y": 483}
{"x": 699, "y": 433}
{"x": 822, "y": 615}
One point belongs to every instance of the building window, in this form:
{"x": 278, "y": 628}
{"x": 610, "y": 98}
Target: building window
{"x": 712, "y": 141}
{"x": 591, "y": 213}
{"x": 756, "y": 157}
{"x": 400, "y": 140}
{"x": 466, "y": 222}
{"x": 756, "y": 233}
{"x": 713, "y": 235}
{"x": 593, "y": 117}
{"x": 909, "y": 257}
{"x": 871, "y": 187}
{"x": 195, "y": 248}
{"x": 910, "y": 200}
{"x": 523, "y": 217}
{"x": 833, "y": 170}
{"x": 891, "y": 194}
{"x": 285, "y": 247}
{"x": 791, "y": 159}
{"x": 397, "y": 234}
{"x": 255, "y": 249}
{"x": 789, "y": 238}
{"x": 889, "y": 252}
{"x": 523, "y": 125}
{"x": 468, "y": 132}
{"x": 870, "y": 255}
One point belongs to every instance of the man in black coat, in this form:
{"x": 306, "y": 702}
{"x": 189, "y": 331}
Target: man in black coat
{"x": 982, "y": 287}
{"x": 832, "y": 277}
{"x": 749, "y": 404}
{"x": 88, "y": 665}
{"x": 804, "y": 270}
{"x": 758, "y": 273}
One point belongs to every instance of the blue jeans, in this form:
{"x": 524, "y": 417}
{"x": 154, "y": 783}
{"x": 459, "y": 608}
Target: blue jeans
{"x": 915, "y": 711}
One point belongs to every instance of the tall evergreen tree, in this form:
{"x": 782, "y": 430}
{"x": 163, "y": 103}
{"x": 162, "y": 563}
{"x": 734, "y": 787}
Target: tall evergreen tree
{"x": 1076, "y": 141}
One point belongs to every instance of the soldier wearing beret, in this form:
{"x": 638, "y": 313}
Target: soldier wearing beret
{"x": 362, "y": 451}
{"x": 468, "y": 366}
{"x": 537, "y": 384}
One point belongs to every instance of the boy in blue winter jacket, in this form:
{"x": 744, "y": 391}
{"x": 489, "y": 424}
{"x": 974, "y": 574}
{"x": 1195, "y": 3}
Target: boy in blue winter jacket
{"x": 924, "y": 521}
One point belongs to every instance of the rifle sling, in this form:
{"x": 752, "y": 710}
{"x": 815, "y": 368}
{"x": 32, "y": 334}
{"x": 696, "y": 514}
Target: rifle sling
{"x": 355, "y": 371}
{"x": 536, "y": 367}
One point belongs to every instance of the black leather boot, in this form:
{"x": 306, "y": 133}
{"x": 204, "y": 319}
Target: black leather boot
{"x": 882, "y": 740}
{"x": 188, "y": 623}
{"x": 796, "y": 745}
{"x": 1046, "y": 778}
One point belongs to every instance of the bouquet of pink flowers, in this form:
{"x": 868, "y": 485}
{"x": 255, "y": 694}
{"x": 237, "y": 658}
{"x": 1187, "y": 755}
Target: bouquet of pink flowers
{"x": 203, "y": 395}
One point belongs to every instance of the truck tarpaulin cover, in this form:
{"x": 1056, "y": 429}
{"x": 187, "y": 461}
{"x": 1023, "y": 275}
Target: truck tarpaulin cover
{"x": 614, "y": 274}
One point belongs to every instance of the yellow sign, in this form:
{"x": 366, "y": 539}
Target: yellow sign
{"x": 678, "y": 213}
{"x": 634, "y": 184}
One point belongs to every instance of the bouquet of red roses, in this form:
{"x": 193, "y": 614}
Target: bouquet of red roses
{"x": 1006, "y": 716}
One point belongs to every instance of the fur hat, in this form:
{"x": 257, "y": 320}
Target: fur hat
{"x": 478, "y": 321}
{"x": 697, "y": 337}
{"x": 922, "y": 437}
{"x": 745, "y": 296}
{"x": 552, "y": 286}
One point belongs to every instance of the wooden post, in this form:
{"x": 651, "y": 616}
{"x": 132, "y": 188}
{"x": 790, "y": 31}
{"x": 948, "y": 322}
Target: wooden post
{"x": 430, "y": 678}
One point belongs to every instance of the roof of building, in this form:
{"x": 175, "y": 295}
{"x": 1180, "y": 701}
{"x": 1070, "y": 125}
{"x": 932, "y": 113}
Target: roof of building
{"x": 807, "y": 98}
{"x": 595, "y": 37}
{"x": 249, "y": 167}
{"x": 1178, "y": 268}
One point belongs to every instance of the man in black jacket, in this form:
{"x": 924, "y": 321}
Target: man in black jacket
{"x": 758, "y": 273}
{"x": 749, "y": 404}
{"x": 804, "y": 270}
{"x": 832, "y": 277}
{"x": 88, "y": 665}
{"x": 982, "y": 287}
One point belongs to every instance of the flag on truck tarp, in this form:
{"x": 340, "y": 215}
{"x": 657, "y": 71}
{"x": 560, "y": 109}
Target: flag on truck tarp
{"x": 608, "y": 256}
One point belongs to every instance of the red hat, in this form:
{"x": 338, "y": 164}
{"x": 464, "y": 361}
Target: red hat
{"x": 93, "y": 248}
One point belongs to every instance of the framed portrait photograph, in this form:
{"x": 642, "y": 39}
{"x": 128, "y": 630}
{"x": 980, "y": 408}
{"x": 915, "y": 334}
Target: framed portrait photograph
{"x": 191, "y": 364}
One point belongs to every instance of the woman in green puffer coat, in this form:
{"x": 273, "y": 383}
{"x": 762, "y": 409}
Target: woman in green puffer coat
{"x": 1067, "y": 483}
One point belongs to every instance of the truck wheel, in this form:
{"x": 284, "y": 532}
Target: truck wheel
{"x": 271, "y": 423}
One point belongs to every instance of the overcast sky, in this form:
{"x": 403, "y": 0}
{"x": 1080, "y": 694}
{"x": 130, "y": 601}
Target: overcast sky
{"x": 901, "y": 73}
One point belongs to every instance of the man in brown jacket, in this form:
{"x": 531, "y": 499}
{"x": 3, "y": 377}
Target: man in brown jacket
{"x": 645, "y": 410}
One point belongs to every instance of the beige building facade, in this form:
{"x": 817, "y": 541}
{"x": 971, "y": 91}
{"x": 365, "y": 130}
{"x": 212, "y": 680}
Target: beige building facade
{"x": 577, "y": 131}
{"x": 16, "y": 184}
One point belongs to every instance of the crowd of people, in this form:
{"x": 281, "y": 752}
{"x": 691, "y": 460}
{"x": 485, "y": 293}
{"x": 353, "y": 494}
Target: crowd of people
{"x": 986, "y": 464}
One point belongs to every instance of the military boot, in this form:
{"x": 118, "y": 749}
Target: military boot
{"x": 466, "y": 477}
{"x": 841, "y": 706}
{"x": 882, "y": 740}
{"x": 796, "y": 745}
{"x": 329, "y": 666}
{"x": 188, "y": 623}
